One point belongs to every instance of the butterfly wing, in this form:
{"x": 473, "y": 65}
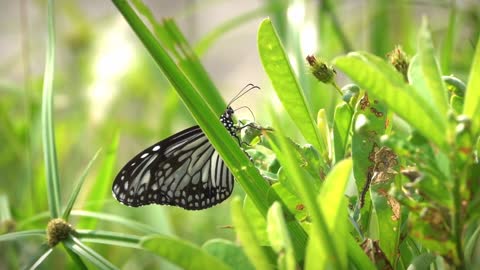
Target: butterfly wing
{"x": 183, "y": 170}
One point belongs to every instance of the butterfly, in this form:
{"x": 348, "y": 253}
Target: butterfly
{"x": 182, "y": 170}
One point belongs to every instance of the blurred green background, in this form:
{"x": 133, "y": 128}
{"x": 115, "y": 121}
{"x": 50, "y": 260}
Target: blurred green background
{"x": 107, "y": 88}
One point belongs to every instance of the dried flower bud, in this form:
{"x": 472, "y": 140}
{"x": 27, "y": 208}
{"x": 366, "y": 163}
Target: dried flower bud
{"x": 57, "y": 231}
{"x": 398, "y": 58}
{"x": 321, "y": 70}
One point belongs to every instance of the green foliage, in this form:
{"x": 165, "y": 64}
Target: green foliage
{"x": 386, "y": 176}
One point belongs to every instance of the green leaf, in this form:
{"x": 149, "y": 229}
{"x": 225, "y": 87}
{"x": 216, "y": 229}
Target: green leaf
{"x": 257, "y": 221}
{"x": 40, "y": 256}
{"x": 109, "y": 238}
{"x": 423, "y": 261}
{"x": 14, "y": 236}
{"x": 280, "y": 238}
{"x": 181, "y": 253}
{"x": 117, "y": 220}
{"x": 357, "y": 259}
{"x": 78, "y": 186}
{"x": 385, "y": 84}
{"x": 82, "y": 250}
{"x": 341, "y": 130}
{"x": 101, "y": 186}
{"x": 48, "y": 130}
{"x": 431, "y": 71}
{"x": 471, "y": 107}
{"x": 229, "y": 253}
{"x": 472, "y": 247}
{"x": 248, "y": 238}
{"x": 303, "y": 184}
{"x": 387, "y": 219}
{"x": 333, "y": 205}
{"x": 280, "y": 72}
{"x": 75, "y": 258}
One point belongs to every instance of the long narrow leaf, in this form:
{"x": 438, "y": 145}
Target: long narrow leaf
{"x": 82, "y": 250}
{"x": 280, "y": 238}
{"x": 78, "y": 186}
{"x": 18, "y": 235}
{"x": 43, "y": 253}
{"x": 471, "y": 106}
{"x": 431, "y": 71}
{"x": 304, "y": 187}
{"x": 229, "y": 253}
{"x": 109, "y": 238}
{"x": 101, "y": 186}
{"x": 48, "y": 131}
{"x": 75, "y": 258}
{"x": 182, "y": 253}
{"x": 247, "y": 236}
{"x": 278, "y": 69}
{"x": 332, "y": 204}
{"x": 117, "y": 220}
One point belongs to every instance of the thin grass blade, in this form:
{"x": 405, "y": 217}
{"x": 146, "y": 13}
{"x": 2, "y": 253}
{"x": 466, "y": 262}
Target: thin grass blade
{"x": 78, "y": 186}
{"x": 48, "y": 130}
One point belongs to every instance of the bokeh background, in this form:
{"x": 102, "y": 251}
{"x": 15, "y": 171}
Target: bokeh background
{"x": 107, "y": 87}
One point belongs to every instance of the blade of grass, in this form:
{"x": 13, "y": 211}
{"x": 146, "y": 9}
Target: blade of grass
{"x": 280, "y": 238}
{"x": 241, "y": 167}
{"x": 17, "y": 235}
{"x": 43, "y": 252}
{"x": 189, "y": 63}
{"x": 78, "y": 186}
{"x": 140, "y": 227}
{"x": 332, "y": 204}
{"x": 279, "y": 70}
{"x": 75, "y": 258}
{"x": 48, "y": 131}
{"x": 101, "y": 186}
{"x": 109, "y": 238}
{"x": 471, "y": 248}
{"x": 471, "y": 107}
{"x": 182, "y": 253}
{"x": 303, "y": 186}
{"x": 341, "y": 130}
{"x": 229, "y": 253}
{"x": 385, "y": 84}
{"x": 431, "y": 71}
{"x": 82, "y": 250}
{"x": 247, "y": 236}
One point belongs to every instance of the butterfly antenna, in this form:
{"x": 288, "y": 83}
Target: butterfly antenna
{"x": 249, "y": 110}
{"x": 242, "y": 92}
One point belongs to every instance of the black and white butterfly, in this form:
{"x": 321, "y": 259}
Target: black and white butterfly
{"x": 182, "y": 170}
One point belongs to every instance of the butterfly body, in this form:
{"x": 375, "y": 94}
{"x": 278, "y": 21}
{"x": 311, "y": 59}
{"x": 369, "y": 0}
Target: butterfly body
{"x": 182, "y": 170}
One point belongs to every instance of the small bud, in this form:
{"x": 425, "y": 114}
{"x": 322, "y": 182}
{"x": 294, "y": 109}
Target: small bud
{"x": 398, "y": 58}
{"x": 57, "y": 231}
{"x": 322, "y": 71}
